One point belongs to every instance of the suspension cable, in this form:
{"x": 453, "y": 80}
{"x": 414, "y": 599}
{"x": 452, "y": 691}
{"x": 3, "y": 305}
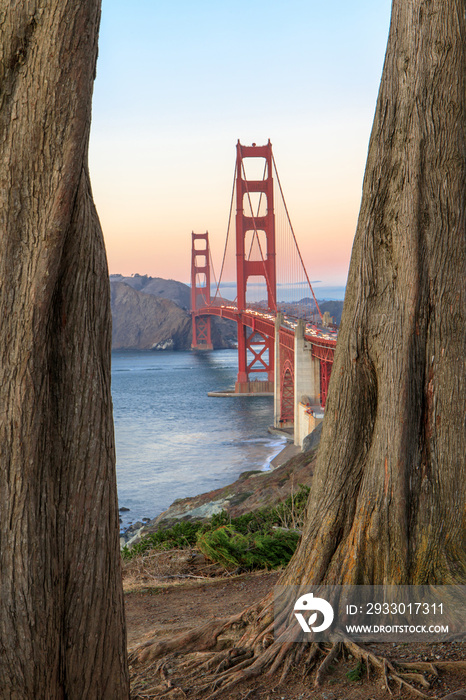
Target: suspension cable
{"x": 294, "y": 237}
{"x": 228, "y": 233}
{"x": 212, "y": 269}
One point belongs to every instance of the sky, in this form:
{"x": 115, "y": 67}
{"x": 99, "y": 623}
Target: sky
{"x": 179, "y": 82}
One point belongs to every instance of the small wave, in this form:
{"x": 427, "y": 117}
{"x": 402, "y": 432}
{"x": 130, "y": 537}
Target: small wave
{"x": 259, "y": 441}
{"x": 279, "y": 446}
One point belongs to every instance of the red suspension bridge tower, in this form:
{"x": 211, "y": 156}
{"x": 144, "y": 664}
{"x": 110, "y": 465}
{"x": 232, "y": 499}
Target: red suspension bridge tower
{"x": 276, "y": 339}
{"x": 200, "y": 290}
{"x": 255, "y": 350}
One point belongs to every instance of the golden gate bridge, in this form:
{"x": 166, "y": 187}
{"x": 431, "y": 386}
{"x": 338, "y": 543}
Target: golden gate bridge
{"x": 285, "y": 346}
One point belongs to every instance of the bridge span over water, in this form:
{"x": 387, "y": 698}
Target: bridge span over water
{"x": 286, "y": 346}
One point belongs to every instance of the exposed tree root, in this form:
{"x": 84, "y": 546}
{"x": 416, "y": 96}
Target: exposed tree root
{"x": 215, "y": 658}
{"x": 199, "y": 639}
{"x": 326, "y": 663}
{"x": 201, "y": 659}
{"x": 311, "y": 660}
{"x": 388, "y": 670}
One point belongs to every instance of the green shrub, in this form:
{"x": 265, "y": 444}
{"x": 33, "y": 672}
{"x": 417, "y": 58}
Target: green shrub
{"x": 248, "y": 541}
{"x": 256, "y": 550}
{"x": 181, "y": 535}
{"x": 289, "y": 514}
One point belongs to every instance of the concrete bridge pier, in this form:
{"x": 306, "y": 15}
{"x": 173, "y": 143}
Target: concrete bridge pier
{"x": 307, "y": 409}
{"x": 297, "y": 391}
{"x": 277, "y": 374}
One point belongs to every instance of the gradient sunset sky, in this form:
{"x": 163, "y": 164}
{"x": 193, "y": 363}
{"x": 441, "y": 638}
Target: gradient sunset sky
{"x": 178, "y": 83}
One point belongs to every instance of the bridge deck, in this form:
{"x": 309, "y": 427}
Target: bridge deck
{"x": 323, "y": 340}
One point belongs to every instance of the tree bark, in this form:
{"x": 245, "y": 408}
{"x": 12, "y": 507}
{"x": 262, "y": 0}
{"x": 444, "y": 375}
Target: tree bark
{"x": 389, "y": 490}
{"x": 62, "y": 632}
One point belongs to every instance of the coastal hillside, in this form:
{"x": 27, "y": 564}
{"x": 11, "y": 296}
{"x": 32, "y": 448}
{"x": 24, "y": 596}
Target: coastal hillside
{"x": 156, "y": 286}
{"x": 143, "y": 321}
{"x": 334, "y": 307}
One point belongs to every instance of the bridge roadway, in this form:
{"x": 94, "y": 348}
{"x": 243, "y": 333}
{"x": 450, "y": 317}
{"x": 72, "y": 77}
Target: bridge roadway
{"x": 322, "y": 340}
{"x": 303, "y": 358}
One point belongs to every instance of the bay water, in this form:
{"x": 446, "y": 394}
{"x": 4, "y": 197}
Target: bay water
{"x": 172, "y": 440}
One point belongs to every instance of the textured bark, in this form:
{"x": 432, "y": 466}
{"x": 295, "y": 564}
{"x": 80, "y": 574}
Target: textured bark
{"x": 61, "y": 610}
{"x": 389, "y": 490}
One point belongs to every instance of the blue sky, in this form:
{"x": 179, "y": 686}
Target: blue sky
{"x": 178, "y": 83}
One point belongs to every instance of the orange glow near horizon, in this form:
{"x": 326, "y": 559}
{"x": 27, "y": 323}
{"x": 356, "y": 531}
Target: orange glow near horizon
{"x": 325, "y": 256}
{"x": 148, "y": 213}
{"x": 148, "y": 241}
{"x": 150, "y": 231}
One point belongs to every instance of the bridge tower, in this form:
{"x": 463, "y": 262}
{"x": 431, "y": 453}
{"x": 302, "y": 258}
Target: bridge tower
{"x": 255, "y": 350}
{"x": 200, "y": 290}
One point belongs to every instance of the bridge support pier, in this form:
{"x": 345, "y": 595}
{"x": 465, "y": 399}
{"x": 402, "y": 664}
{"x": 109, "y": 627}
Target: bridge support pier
{"x": 307, "y": 409}
{"x": 277, "y": 373}
{"x": 255, "y": 355}
{"x": 284, "y": 389}
{"x": 201, "y": 334}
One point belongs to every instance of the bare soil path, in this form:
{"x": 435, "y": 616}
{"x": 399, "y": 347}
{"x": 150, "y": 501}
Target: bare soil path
{"x": 167, "y": 610}
{"x": 162, "y": 609}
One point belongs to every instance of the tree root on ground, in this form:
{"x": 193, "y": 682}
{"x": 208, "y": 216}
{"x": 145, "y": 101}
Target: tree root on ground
{"x": 200, "y": 659}
{"x": 393, "y": 672}
{"x": 199, "y": 639}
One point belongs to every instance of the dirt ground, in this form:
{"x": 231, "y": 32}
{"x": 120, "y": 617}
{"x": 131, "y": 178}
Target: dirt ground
{"x": 176, "y": 592}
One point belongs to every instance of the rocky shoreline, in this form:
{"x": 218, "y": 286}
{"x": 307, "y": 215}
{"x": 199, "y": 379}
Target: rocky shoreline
{"x": 252, "y": 490}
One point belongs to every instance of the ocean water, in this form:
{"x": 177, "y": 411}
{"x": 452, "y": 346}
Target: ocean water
{"x": 172, "y": 440}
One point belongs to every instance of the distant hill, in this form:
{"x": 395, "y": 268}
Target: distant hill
{"x": 143, "y": 321}
{"x": 156, "y": 286}
{"x": 334, "y": 308}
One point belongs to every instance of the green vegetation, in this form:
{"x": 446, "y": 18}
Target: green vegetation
{"x": 256, "y": 550}
{"x": 179, "y": 536}
{"x": 356, "y": 673}
{"x": 264, "y": 538}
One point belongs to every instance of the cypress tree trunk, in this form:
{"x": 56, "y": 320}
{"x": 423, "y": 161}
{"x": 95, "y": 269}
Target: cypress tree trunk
{"x": 61, "y": 612}
{"x": 389, "y": 492}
